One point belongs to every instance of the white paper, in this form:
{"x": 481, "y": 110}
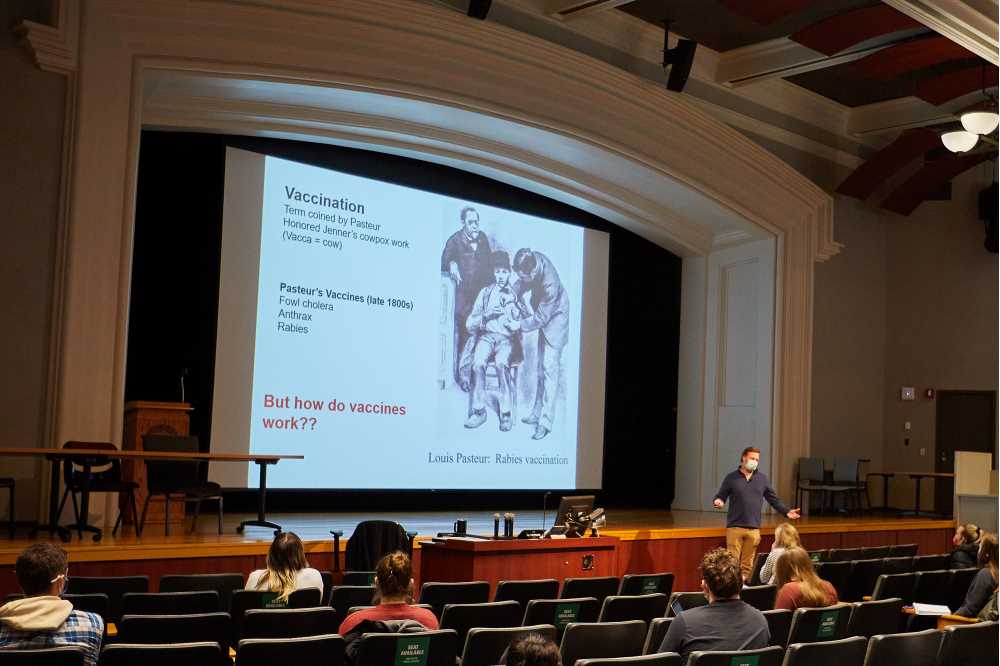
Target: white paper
{"x": 931, "y": 609}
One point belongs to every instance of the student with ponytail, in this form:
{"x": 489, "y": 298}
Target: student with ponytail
{"x": 287, "y": 569}
{"x": 393, "y": 596}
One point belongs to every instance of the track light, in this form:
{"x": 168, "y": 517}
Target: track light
{"x": 478, "y": 9}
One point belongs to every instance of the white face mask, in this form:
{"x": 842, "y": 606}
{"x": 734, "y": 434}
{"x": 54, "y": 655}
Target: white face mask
{"x": 751, "y": 465}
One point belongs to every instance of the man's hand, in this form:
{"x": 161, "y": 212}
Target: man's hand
{"x": 718, "y": 504}
{"x": 494, "y": 312}
{"x": 794, "y": 514}
{"x": 455, "y": 275}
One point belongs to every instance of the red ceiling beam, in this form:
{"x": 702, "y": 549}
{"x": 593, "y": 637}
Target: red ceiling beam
{"x": 946, "y": 87}
{"x": 911, "y": 56}
{"x": 836, "y": 33}
{"x": 907, "y": 147}
{"x": 905, "y": 198}
{"x": 765, "y": 12}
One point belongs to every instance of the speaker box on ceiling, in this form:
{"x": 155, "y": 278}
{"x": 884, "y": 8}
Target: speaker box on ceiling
{"x": 479, "y": 8}
{"x": 680, "y": 58}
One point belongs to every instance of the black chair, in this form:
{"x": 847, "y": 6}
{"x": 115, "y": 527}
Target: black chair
{"x": 354, "y": 609}
{"x": 440, "y": 594}
{"x": 779, "y": 624}
{"x": 345, "y": 597}
{"x": 818, "y": 556}
{"x": 245, "y": 600}
{"x": 462, "y": 617}
{"x": 309, "y": 651}
{"x": 585, "y": 640}
{"x": 561, "y": 612}
{"x": 178, "y": 477}
{"x": 200, "y": 628}
{"x": 864, "y": 573}
{"x": 810, "y": 625}
{"x": 903, "y": 550}
{"x": 875, "y": 552}
{"x": 113, "y": 586}
{"x": 485, "y": 645}
{"x": 769, "y": 656}
{"x": 837, "y": 574}
{"x": 897, "y": 565}
{"x": 440, "y": 648}
{"x": 358, "y": 578}
{"x": 170, "y": 603}
{"x": 961, "y": 579}
{"x": 8, "y": 483}
{"x": 843, "y": 652}
{"x": 68, "y": 655}
{"x": 890, "y": 586}
{"x": 846, "y": 480}
{"x": 523, "y": 591}
{"x": 658, "y": 627}
{"x": 327, "y": 578}
{"x": 224, "y": 584}
{"x": 811, "y": 475}
{"x": 968, "y": 644}
{"x": 758, "y": 564}
{"x": 640, "y": 607}
{"x": 289, "y": 622}
{"x": 662, "y": 659}
{"x": 869, "y": 618}
{"x": 932, "y": 587}
{"x": 761, "y": 597}
{"x": 686, "y": 601}
{"x": 162, "y": 654}
{"x": 931, "y": 562}
{"x": 843, "y": 554}
{"x": 918, "y": 648}
{"x": 599, "y": 588}
{"x": 370, "y": 541}
{"x": 636, "y": 584}
{"x": 84, "y": 476}
{"x": 98, "y": 603}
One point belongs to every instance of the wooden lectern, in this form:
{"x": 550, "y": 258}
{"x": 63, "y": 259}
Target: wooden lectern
{"x": 144, "y": 417}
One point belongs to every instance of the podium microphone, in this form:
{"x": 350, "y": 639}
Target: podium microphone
{"x": 545, "y": 503}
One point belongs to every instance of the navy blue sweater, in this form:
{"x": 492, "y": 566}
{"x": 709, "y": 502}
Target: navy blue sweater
{"x": 745, "y": 497}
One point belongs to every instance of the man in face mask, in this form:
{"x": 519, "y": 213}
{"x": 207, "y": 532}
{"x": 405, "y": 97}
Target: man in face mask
{"x": 745, "y": 488}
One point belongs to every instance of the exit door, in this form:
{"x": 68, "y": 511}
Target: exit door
{"x": 966, "y": 421}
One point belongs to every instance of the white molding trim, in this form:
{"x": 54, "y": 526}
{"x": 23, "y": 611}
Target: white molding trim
{"x": 780, "y": 58}
{"x": 571, "y": 9}
{"x": 55, "y": 48}
{"x": 969, "y": 23}
{"x": 895, "y": 115}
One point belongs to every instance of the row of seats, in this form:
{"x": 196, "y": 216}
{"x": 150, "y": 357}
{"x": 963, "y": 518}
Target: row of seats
{"x": 944, "y": 588}
{"x": 856, "y": 580}
{"x": 582, "y": 644}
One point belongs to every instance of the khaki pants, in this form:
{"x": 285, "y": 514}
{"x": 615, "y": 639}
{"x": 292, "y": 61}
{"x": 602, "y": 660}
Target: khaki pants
{"x": 743, "y": 543}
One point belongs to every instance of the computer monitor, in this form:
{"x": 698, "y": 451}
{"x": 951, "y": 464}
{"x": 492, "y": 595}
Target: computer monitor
{"x": 575, "y": 504}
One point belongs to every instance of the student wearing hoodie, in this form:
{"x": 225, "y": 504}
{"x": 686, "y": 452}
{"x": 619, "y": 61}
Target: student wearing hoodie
{"x": 42, "y": 619}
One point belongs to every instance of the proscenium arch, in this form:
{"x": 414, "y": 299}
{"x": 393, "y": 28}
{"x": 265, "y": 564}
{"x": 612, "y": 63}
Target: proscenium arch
{"x": 402, "y": 50}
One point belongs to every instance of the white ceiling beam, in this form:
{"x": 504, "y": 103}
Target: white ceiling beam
{"x": 570, "y": 9}
{"x": 904, "y": 113}
{"x": 968, "y": 23}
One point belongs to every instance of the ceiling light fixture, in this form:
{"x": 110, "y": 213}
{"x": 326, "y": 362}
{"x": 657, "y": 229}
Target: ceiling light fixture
{"x": 980, "y": 122}
{"x": 959, "y": 141}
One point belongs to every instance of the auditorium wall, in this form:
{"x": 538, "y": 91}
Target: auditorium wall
{"x": 31, "y": 131}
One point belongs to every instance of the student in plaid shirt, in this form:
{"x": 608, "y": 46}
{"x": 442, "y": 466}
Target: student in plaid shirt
{"x": 42, "y": 619}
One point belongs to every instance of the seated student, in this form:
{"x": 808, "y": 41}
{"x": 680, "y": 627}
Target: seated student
{"x": 393, "y": 594}
{"x": 42, "y": 619}
{"x": 785, "y": 537}
{"x": 966, "y": 542}
{"x": 798, "y": 584}
{"x": 532, "y": 650}
{"x": 287, "y": 569}
{"x": 727, "y": 622}
{"x": 985, "y": 583}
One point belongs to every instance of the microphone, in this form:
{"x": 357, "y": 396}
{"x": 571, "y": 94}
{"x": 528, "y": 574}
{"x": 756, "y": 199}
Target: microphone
{"x": 545, "y": 502}
{"x": 184, "y": 374}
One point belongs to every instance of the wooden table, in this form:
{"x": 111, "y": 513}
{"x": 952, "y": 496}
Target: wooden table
{"x": 87, "y": 458}
{"x": 454, "y": 560}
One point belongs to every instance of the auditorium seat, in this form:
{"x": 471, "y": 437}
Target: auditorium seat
{"x": 636, "y": 584}
{"x": 203, "y": 627}
{"x": 686, "y": 601}
{"x": 961, "y": 579}
{"x": 843, "y": 652}
{"x": 769, "y": 656}
{"x": 895, "y": 565}
{"x": 289, "y": 622}
{"x": 932, "y": 587}
{"x": 343, "y": 597}
{"x": 310, "y": 651}
{"x": 462, "y": 617}
{"x": 67, "y": 655}
{"x": 875, "y": 552}
{"x": 599, "y": 588}
{"x": 931, "y": 562}
{"x": 113, "y": 586}
{"x": 391, "y": 649}
{"x": 912, "y": 649}
{"x": 889, "y": 586}
{"x": 91, "y": 603}
{"x": 639, "y": 607}
{"x": 818, "y": 555}
{"x": 869, "y": 618}
{"x": 967, "y": 644}
{"x": 861, "y": 584}
{"x": 560, "y": 612}
{"x": 169, "y": 603}
{"x": 163, "y": 654}
{"x": 485, "y": 645}
{"x": 223, "y": 583}
{"x": 590, "y": 640}
{"x": 658, "y": 627}
{"x": 903, "y": 550}
{"x": 837, "y": 574}
{"x": 843, "y": 554}
{"x": 244, "y": 600}
{"x": 761, "y": 597}
{"x": 819, "y": 624}
{"x": 758, "y": 564}
{"x": 779, "y": 623}
{"x": 523, "y": 591}
{"x": 354, "y": 609}
{"x": 8, "y": 483}
{"x": 663, "y": 659}
{"x": 358, "y": 578}
{"x": 440, "y": 594}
